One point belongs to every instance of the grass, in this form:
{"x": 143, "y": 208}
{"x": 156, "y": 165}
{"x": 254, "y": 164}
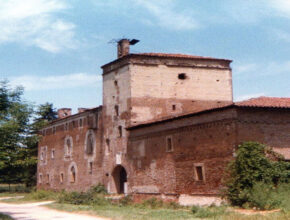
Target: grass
{"x": 93, "y": 202}
{"x": 126, "y": 212}
{"x": 5, "y": 217}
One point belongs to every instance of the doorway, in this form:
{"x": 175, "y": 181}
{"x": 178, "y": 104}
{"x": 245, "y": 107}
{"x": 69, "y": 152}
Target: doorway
{"x": 120, "y": 178}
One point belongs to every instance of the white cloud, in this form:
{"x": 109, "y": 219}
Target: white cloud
{"x": 249, "y": 96}
{"x": 281, "y": 6}
{"x": 262, "y": 69}
{"x": 35, "y": 23}
{"x": 167, "y": 16}
{"x": 75, "y": 80}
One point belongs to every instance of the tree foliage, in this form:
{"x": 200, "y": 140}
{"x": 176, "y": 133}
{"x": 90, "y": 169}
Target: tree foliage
{"x": 19, "y": 124}
{"x": 253, "y": 166}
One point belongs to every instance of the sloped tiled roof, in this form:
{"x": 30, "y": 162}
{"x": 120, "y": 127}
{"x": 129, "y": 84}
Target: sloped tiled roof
{"x": 272, "y": 102}
{"x": 177, "y": 55}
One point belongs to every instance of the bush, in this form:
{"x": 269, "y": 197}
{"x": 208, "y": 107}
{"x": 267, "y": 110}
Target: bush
{"x": 94, "y": 196}
{"x": 41, "y": 195}
{"x": 252, "y": 166}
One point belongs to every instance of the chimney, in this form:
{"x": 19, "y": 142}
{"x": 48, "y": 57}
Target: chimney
{"x": 63, "y": 112}
{"x": 80, "y": 110}
{"x": 124, "y": 46}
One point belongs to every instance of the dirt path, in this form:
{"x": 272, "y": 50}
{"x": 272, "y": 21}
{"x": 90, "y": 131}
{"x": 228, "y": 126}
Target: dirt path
{"x": 34, "y": 211}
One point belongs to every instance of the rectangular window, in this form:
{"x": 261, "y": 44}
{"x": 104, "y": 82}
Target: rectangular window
{"x": 81, "y": 122}
{"x": 169, "y": 145}
{"x": 120, "y": 131}
{"x": 90, "y": 167}
{"x": 61, "y": 178}
{"x": 40, "y": 178}
{"x": 47, "y": 178}
{"x": 52, "y": 154}
{"x": 199, "y": 172}
{"x": 173, "y": 107}
{"x": 117, "y": 110}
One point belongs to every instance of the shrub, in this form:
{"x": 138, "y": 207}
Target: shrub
{"x": 99, "y": 189}
{"x": 41, "y": 195}
{"x": 94, "y": 196}
{"x": 252, "y": 166}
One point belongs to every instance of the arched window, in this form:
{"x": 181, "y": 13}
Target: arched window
{"x": 68, "y": 146}
{"x": 90, "y": 144}
{"x": 72, "y": 174}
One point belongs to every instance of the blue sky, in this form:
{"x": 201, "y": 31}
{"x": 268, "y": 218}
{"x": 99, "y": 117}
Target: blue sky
{"x": 55, "y": 48}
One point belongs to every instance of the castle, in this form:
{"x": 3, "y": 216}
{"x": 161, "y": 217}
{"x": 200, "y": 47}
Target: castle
{"x": 168, "y": 127}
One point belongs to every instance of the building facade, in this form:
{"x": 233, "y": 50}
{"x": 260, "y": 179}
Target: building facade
{"x": 167, "y": 128}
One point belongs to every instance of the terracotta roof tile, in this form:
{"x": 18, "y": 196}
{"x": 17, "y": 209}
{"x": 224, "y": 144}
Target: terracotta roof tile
{"x": 273, "y": 102}
{"x": 178, "y": 55}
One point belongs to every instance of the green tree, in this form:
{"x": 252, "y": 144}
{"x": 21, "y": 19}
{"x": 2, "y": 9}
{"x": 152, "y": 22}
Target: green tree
{"x": 254, "y": 164}
{"x": 19, "y": 126}
{"x": 14, "y": 127}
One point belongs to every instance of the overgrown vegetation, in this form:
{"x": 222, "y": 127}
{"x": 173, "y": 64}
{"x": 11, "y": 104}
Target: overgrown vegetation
{"x": 257, "y": 177}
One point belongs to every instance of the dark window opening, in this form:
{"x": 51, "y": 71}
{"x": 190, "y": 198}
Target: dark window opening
{"x": 116, "y": 83}
{"x": 199, "y": 173}
{"x": 117, "y": 110}
{"x": 52, "y": 154}
{"x": 68, "y": 144}
{"x": 40, "y": 178}
{"x": 90, "y": 144}
{"x": 120, "y": 131}
{"x": 169, "y": 146}
{"x": 61, "y": 177}
{"x": 173, "y": 107}
{"x": 73, "y": 174}
{"x": 108, "y": 144}
{"x": 81, "y": 122}
{"x": 182, "y": 76}
{"x": 47, "y": 176}
{"x": 90, "y": 167}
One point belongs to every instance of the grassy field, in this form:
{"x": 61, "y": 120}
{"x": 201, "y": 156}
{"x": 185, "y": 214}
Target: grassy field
{"x": 149, "y": 209}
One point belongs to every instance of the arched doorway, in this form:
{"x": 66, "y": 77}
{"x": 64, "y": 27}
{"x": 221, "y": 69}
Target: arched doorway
{"x": 120, "y": 178}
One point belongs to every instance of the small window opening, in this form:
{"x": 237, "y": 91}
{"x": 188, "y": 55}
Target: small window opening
{"x": 61, "y": 178}
{"x": 90, "y": 144}
{"x": 47, "y": 178}
{"x": 173, "y": 107}
{"x": 117, "y": 110}
{"x": 182, "y": 76}
{"x": 199, "y": 173}
{"x": 116, "y": 83}
{"x": 40, "y": 178}
{"x": 169, "y": 147}
{"x": 120, "y": 131}
{"x": 72, "y": 174}
{"x": 42, "y": 156}
{"x": 52, "y": 154}
{"x": 68, "y": 144}
{"x": 90, "y": 167}
{"x": 108, "y": 145}
{"x": 81, "y": 122}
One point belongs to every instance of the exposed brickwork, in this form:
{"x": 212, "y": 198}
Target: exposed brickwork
{"x": 167, "y": 128}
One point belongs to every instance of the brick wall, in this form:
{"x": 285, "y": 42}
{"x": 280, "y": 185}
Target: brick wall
{"x": 55, "y": 138}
